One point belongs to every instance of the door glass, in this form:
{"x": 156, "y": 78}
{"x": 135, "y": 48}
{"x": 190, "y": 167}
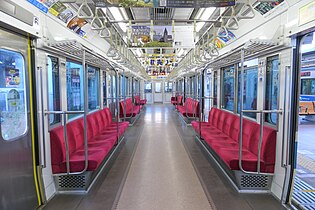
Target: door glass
{"x": 158, "y": 87}
{"x": 13, "y": 110}
{"x": 304, "y": 181}
{"x": 53, "y": 89}
{"x": 148, "y": 87}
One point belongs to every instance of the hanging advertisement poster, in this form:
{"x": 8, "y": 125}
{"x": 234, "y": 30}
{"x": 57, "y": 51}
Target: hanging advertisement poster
{"x": 62, "y": 12}
{"x": 222, "y": 40}
{"x": 143, "y": 36}
{"x": 76, "y": 24}
{"x": 165, "y": 3}
{"x": 48, "y": 3}
{"x": 12, "y": 77}
{"x": 140, "y": 35}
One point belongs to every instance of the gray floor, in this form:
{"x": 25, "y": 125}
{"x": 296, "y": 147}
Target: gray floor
{"x": 161, "y": 166}
{"x": 161, "y": 174}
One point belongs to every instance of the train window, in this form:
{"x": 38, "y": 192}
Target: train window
{"x": 148, "y": 87}
{"x": 13, "y": 114}
{"x": 167, "y": 87}
{"x": 75, "y": 100}
{"x": 272, "y": 88}
{"x": 250, "y": 90}
{"x": 93, "y": 87}
{"x": 307, "y": 86}
{"x": 215, "y": 88}
{"x": 53, "y": 89}
{"x": 228, "y": 88}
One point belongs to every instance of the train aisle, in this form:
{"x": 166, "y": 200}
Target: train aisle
{"x": 161, "y": 175}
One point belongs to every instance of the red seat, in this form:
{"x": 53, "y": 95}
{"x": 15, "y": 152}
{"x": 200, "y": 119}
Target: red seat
{"x": 221, "y": 133}
{"x": 102, "y": 135}
{"x": 139, "y": 101}
{"x": 190, "y": 108}
{"x": 127, "y": 108}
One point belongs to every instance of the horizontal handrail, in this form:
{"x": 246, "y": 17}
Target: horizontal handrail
{"x": 280, "y": 111}
{"x": 64, "y": 112}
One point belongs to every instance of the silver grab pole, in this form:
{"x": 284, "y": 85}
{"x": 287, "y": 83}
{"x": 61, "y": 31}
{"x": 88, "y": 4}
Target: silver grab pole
{"x": 117, "y": 105}
{"x": 284, "y": 118}
{"x": 65, "y": 136}
{"x": 43, "y": 145}
{"x": 241, "y": 113}
{"x": 85, "y": 93}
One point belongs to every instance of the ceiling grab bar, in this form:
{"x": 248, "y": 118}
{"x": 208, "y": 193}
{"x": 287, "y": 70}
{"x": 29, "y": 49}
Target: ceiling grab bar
{"x": 97, "y": 20}
{"x": 231, "y": 20}
{"x": 245, "y": 7}
{"x": 80, "y": 11}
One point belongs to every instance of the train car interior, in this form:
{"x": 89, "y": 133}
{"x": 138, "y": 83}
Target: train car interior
{"x": 157, "y": 104}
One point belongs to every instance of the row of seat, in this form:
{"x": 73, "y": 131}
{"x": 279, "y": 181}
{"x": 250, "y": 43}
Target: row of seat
{"x": 177, "y": 100}
{"x": 307, "y": 108}
{"x": 128, "y": 109}
{"x": 190, "y": 108}
{"x": 102, "y": 136}
{"x": 221, "y": 133}
{"x": 139, "y": 101}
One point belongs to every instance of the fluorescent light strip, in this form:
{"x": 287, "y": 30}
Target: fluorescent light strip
{"x": 203, "y": 14}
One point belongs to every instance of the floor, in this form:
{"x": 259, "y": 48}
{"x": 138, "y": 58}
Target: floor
{"x": 161, "y": 166}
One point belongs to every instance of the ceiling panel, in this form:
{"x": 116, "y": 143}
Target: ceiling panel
{"x": 140, "y": 13}
{"x": 182, "y": 13}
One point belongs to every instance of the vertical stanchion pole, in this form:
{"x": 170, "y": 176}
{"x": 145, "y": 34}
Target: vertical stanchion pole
{"x": 85, "y": 93}
{"x": 241, "y": 109}
{"x": 117, "y": 104}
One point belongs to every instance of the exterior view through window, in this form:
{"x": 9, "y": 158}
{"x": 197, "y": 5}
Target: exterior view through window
{"x": 13, "y": 109}
{"x": 272, "y": 88}
{"x": 250, "y": 88}
{"x": 75, "y": 99}
{"x": 228, "y": 88}
{"x": 53, "y": 89}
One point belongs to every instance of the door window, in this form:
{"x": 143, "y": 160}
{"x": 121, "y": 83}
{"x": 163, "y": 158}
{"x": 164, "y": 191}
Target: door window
{"x": 13, "y": 106}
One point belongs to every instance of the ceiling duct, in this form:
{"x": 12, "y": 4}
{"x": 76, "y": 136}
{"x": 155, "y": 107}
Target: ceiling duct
{"x": 162, "y": 14}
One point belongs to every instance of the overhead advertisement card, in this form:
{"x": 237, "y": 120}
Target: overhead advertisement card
{"x": 165, "y": 3}
{"x": 161, "y": 36}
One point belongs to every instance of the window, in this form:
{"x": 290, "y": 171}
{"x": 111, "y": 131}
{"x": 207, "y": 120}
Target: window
{"x": 272, "y": 88}
{"x": 93, "y": 87}
{"x": 53, "y": 89}
{"x": 250, "y": 90}
{"x": 148, "y": 87}
{"x": 13, "y": 114}
{"x": 307, "y": 86}
{"x": 228, "y": 88}
{"x": 75, "y": 100}
{"x": 167, "y": 87}
{"x": 215, "y": 88}
{"x": 158, "y": 87}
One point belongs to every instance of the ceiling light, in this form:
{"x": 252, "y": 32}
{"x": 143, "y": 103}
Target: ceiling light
{"x": 123, "y": 12}
{"x": 117, "y": 14}
{"x": 204, "y": 14}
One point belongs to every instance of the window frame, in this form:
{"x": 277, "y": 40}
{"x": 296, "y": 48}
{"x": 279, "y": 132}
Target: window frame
{"x": 265, "y": 86}
{"x": 51, "y": 126}
{"x": 26, "y": 97}
{"x": 98, "y": 103}
{"x": 235, "y": 88}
